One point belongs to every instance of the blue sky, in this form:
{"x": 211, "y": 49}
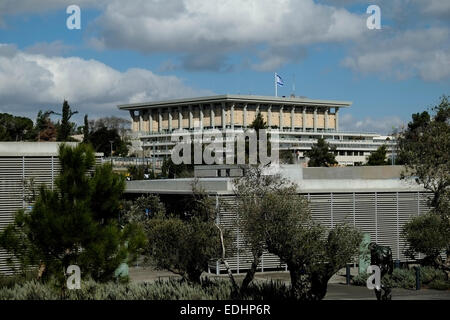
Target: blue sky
{"x": 138, "y": 51}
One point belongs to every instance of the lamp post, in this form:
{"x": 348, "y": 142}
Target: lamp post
{"x": 111, "y": 142}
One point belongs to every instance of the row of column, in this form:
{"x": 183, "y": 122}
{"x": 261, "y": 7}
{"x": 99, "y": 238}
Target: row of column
{"x": 223, "y": 117}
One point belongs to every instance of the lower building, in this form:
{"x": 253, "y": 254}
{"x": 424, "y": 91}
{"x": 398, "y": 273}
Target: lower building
{"x": 373, "y": 199}
{"x": 23, "y": 164}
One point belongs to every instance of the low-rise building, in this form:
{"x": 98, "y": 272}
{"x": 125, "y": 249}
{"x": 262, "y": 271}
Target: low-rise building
{"x": 373, "y": 199}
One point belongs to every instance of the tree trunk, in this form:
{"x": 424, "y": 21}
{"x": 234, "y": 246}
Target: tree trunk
{"x": 227, "y": 266}
{"x": 298, "y": 285}
{"x": 319, "y": 284}
{"x": 250, "y": 273}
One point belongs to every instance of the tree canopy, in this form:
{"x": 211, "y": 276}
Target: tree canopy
{"x": 378, "y": 158}
{"x": 321, "y": 154}
{"x": 74, "y": 223}
{"x": 425, "y": 149}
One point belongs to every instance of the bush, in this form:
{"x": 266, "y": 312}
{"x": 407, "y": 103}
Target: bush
{"x": 360, "y": 279}
{"x": 217, "y": 289}
{"x": 273, "y": 290}
{"x": 406, "y": 278}
{"x": 91, "y": 290}
{"x": 439, "y": 284}
{"x": 429, "y": 274}
{"x": 402, "y": 278}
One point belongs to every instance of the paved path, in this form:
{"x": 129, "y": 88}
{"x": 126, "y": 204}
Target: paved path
{"x": 337, "y": 289}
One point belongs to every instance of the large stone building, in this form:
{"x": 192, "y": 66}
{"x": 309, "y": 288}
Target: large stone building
{"x": 299, "y": 122}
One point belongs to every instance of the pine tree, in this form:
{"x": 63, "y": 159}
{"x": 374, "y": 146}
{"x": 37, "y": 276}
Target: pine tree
{"x": 65, "y": 128}
{"x": 378, "y": 158}
{"x": 86, "y": 129}
{"x": 75, "y": 223}
{"x": 321, "y": 154}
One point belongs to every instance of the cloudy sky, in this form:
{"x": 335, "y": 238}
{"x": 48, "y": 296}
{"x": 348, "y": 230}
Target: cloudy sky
{"x": 143, "y": 50}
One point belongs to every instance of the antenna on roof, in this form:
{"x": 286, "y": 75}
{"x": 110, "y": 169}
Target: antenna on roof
{"x": 293, "y": 86}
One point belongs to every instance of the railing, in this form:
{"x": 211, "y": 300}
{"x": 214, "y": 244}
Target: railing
{"x": 141, "y": 134}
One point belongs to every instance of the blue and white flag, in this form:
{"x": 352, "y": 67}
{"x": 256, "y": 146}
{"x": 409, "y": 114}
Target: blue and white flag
{"x": 279, "y": 80}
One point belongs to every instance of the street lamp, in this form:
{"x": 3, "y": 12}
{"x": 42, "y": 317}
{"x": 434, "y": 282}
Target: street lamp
{"x": 111, "y": 142}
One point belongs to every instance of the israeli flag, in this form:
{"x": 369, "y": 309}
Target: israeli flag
{"x": 279, "y": 80}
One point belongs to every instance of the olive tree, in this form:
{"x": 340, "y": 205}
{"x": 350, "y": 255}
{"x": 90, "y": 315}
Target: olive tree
{"x": 273, "y": 216}
{"x": 425, "y": 149}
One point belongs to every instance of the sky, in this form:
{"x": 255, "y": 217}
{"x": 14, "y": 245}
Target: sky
{"x": 150, "y": 50}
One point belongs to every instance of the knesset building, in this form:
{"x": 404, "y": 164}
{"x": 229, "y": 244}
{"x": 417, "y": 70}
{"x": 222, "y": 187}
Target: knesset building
{"x": 298, "y": 122}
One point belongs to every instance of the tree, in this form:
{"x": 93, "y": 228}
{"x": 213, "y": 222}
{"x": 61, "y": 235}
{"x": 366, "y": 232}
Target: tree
{"x": 258, "y": 123}
{"x": 121, "y": 125}
{"x": 378, "y": 158}
{"x": 274, "y": 217}
{"x": 171, "y": 170}
{"x": 66, "y": 127}
{"x": 185, "y": 245}
{"x": 14, "y": 128}
{"x": 101, "y": 138}
{"x": 425, "y": 148}
{"x": 75, "y": 223}
{"x": 44, "y": 128}
{"x": 312, "y": 253}
{"x": 249, "y": 191}
{"x": 86, "y": 129}
{"x": 321, "y": 154}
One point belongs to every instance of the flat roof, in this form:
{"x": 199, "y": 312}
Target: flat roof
{"x": 308, "y": 180}
{"x": 33, "y": 149}
{"x": 238, "y": 99}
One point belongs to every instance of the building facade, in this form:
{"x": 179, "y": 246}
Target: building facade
{"x": 373, "y": 199}
{"x": 298, "y": 123}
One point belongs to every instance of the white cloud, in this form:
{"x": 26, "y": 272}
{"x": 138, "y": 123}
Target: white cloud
{"x": 32, "y": 81}
{"x": 54, "y": 48}
{"x": 423, "y": 53}
{"x": 382, "y": 125}
{"x": 218, "y": 27}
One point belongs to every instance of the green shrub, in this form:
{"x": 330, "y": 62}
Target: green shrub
{"x": 273, "y": 290}
{"x": 402, "y": 278}
{"x": 439, "y": 284}
{"x": 360, "y": 279}
{"x": 9, "y": 281}
{"x": 429, "y": 274}
{"x": 91, "y": 290}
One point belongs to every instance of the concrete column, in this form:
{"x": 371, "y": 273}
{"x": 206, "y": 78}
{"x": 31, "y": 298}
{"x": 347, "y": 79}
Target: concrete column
{"x": 245, "y": 115}
{"x": 169, "y": 110}
{"x": 224, "y": 116}
{"x": 159, "y": 120}
{"x": 337, "y": 119}
{"x": 191, "y": 118}
{"x": 281, "y": 118}
{"x": 132, "y": 118}
{"x": 213, "y": 116}
{"x": 292, "y": 118}
{"x": 315, "y": 119}
{"x": 232, "y": 116}
{"x": 304, "y": 119}
{"x": 200, "y": 108}
{"x": 150, "y": 120}
{"x": 180, "y": 117}
{"x": 326, "y": 119}
{"x": 141, "y": 115}
{"x": 269, "y": 116}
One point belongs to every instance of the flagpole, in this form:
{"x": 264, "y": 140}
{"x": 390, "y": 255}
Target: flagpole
{"x": 276, "y": 89}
